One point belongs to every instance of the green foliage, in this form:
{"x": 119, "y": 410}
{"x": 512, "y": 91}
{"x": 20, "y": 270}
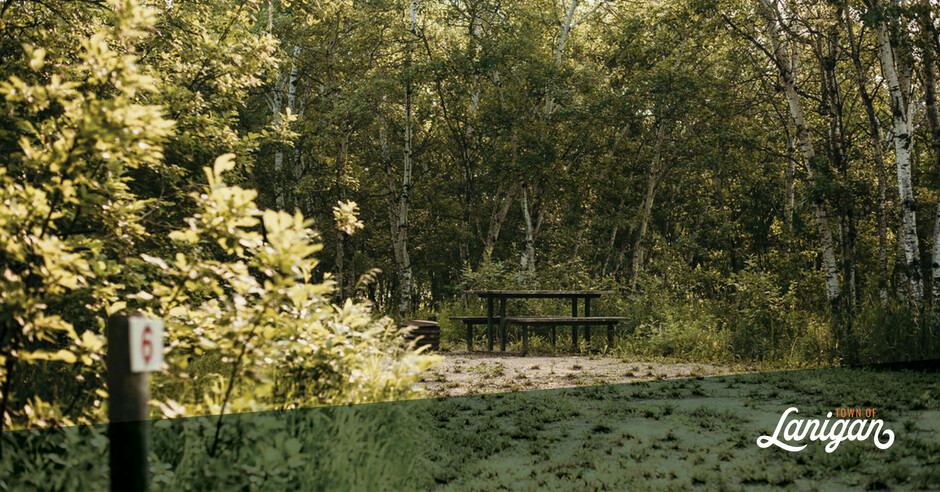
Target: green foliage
{"x": 86, "y": 234}
{"x": 701, "y": 316}
{"x": 652, "y": 147}
{"x": 69, "y": 216}
{"x": 276, "y": 334}
{"x": 363, "y": 447}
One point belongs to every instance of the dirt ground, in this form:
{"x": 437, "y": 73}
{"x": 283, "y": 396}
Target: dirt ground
{"x": 474, "y": 373}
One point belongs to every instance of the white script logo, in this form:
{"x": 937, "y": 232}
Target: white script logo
{"x": 797, "y": 430}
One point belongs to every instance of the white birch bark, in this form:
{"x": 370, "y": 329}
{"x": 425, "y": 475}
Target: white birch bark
{"x": 931, "y": 54}
{"x": 787, "y": 72}
{"x": 292, "y": 81}
{"x": 405, "y": 276}
{"x": 907, "y": 236}
{"x": 528, "y": 256}
{"x": 405, "y": 279}
{"x": 874, "y": 137}
{"x": 274, "y": 103}
{"x": 474, "y": 34}
{"x": 790, "y": 176}
{"x": 564, "y": 31}
{"x": 569, "y": 23}
{"x": 393, "y": 200}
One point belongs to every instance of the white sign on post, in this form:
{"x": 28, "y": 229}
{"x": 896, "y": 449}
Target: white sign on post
{"x": 146, "y": 340}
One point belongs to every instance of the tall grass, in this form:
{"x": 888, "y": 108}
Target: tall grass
{"x": 698, "y": 315}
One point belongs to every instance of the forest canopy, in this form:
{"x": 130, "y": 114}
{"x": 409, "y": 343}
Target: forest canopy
{"x": 758, "y": 179}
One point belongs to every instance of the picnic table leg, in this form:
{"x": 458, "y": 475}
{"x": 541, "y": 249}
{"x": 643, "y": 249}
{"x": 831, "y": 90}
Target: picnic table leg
{"x": 587, "y": 313}
{"x": 610, "y": 336}
{"x": 469, "y": 337}
{"x": 489, "y": 324}
{"x": 574, "y": 328}
{"x": 553, "y": 335}
{"x": 525, "y": 339}
{"x": 502, "y": 324}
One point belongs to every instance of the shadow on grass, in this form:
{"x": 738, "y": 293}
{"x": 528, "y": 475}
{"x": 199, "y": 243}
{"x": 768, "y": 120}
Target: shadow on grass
{"x": 690, "y": 433}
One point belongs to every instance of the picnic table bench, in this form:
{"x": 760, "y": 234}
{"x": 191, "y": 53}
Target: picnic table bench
{"x": 526, "y": 322}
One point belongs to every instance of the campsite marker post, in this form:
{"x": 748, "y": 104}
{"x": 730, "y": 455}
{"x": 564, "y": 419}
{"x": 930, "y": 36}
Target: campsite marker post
{"x": 135, "y": 348}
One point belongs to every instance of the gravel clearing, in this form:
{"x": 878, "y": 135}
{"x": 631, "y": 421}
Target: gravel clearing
{"x": 475, "y": 373}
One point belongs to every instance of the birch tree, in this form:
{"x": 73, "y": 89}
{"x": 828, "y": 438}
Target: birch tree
{"x": 399, "y": 198}
{"x": 653, "y": 177}
{"x": 275, "y": 102}
{"x": 569, "y": 22}
{"x": 787, "y": 71}
{"x": 930, "y": 54}
{"x": 908, "y": 244}
{"x": 874, "y": 137}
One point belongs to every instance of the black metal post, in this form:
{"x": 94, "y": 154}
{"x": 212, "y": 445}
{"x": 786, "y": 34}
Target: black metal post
{"x": 128, "y": 430}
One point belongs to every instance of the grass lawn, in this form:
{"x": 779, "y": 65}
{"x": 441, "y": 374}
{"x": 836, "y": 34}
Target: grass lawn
{"x": 693, "y": 433}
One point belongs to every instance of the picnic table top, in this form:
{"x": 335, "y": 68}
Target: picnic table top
{"x": 540, "y": 293}
{"x": 564, "y": 320}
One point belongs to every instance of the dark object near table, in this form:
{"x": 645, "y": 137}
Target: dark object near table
{"x": 427, "y": 333}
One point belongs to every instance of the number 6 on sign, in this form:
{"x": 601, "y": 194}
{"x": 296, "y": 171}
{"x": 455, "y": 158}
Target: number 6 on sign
{"x": 146, "y": 343}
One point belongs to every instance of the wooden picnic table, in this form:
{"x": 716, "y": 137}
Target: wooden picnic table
{"x": 492, "y": 296}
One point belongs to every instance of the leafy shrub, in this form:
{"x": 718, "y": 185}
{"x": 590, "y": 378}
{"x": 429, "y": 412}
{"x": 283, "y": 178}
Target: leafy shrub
{"x": 361, "y": 447}
{"x": 247, "y": 326}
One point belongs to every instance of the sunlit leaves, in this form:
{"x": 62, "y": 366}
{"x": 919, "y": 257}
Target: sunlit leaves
{"x": 84, "y": 232}
{"x": 263, "y": 316}
{"x": 81, "y": 129}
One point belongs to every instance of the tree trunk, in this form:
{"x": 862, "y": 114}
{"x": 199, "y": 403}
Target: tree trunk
{"x": 563, "y": 32}
{"x": 342, "y": 278}
{"x": 613, "y": 236}
{"x": 930, "y": 60}
{"x": 790, "y": 181}
{"x": 528, "y": 256}
{"x": 909, "y": 262}
{"x": 788, "y": 79}
{"x": 297, "y": 110}
{"x": 498, "y": 217}
{"x": 577, "y": 240}
{"x": 395, "y": 200}
{"x": 404, "y": 267}
{"x": 279, "y": 149}
{"x": 828, "y": 53}
{"x": 646, "y": 209}
{"x": 874, "y": 137}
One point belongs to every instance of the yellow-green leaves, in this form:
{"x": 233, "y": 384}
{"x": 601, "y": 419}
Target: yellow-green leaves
{"x": 345, "y": 215}
{"x": 61, "y": 355}
{"x": 37, "y": 57}
{"x": 90, "y": 205}
{"x": 68, "y": 217}
{"x": 225, "y": 162}
{"x": 263, "y": 304}
{"x": 133, "y": 20}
